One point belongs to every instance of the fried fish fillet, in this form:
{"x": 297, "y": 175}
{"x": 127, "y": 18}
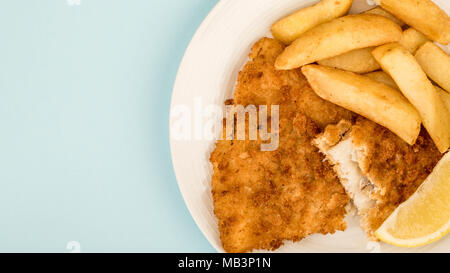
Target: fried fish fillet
{"x": 263, "y": 198}
{"x": 377, "y": 169}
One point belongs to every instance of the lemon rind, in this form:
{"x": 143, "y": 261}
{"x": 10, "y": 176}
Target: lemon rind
{"x": 386, "y": 237}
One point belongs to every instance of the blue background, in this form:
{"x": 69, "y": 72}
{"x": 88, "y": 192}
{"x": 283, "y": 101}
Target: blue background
{"x": 84, "y": 108}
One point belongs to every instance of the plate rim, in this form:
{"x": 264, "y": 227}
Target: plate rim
{"x": 202, "y": 25}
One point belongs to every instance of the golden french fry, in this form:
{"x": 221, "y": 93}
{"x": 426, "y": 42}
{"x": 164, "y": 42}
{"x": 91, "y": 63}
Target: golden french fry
{"x": 291, "y": 27}
{"x": 380, "y": 11}
{"x": 375, "y": 101}
{"x": 423, "y": 15}
{"x": 401, "y": 65}
{"x": 338, "y": 37}
{"x": 358, "y": 61}
{"x": 436, "y": 63}
{"x": 445, "y": 96}
{"x": 412, "y": 39}
{"x": 382, "y": 77}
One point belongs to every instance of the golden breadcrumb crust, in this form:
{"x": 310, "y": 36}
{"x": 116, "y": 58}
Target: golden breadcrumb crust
{"x": 396, "y": 168}
{"x": 263, "y": 198}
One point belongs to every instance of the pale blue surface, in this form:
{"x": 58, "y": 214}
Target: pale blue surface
{"x": 84, "y": 107}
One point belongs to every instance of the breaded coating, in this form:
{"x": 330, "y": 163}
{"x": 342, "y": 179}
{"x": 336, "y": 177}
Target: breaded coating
{"x": 378, "y": 169}
{"x": 394, "y": 167}
{"x": 263, "y": 198}
{"x": 260, "y": 84}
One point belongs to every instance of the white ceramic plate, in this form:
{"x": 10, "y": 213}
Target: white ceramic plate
{"x": 207, "y": 75}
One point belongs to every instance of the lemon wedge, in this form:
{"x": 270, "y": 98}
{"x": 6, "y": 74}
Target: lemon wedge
{"x": 425, "y": 217}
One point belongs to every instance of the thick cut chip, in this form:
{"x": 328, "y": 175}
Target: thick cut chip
{"x": 291, "y": 27}
{"x": 436, "y": 63}
{"x": 373, "y": 100}
{"x": 338, "y": 37}
{"x": 358, "y": 61}
{"x": 380, "y": 11}
{"x": 398, "y": 62}
{"x": 412, "y": 40}
{"x": 423, "y": 15}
